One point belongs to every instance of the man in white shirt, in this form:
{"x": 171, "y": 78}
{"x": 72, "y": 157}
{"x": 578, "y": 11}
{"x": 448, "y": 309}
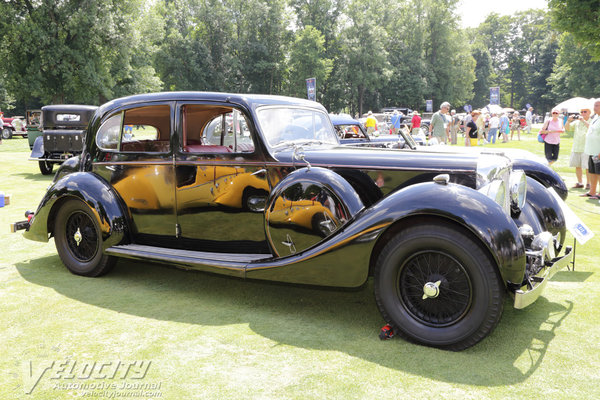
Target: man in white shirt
{"x": 529, "y": 119}
{"x": 494, "y": 125}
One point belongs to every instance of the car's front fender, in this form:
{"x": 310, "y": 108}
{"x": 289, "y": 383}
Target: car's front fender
{"x": 463, "y": 206}
{"x": 93, "y": 191}
{"x": 343, "y": 258}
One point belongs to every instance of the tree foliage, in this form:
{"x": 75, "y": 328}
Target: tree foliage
{"x": 581, "y": 19}
{"x": 73, "y": 51}
{"x": 364, "y": 54}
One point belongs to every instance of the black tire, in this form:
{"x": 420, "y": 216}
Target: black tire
{"x": 6, "y": 133}
{"x": 46, "y": 167}
{"x": 84, "y": 257}
{"x": 468, "y": 301}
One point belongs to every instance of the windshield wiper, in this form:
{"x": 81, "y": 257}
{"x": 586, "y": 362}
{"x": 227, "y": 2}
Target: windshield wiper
{"x": 296, "y": 143}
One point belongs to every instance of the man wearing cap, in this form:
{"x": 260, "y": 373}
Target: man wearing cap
{"x": 453, "y": 125}
{"x": 439, "y": 124}
{"x": 395, "y": 121}
{"x": 579, "y": 160}
{"x": 371, "y": 123}
{"x": 529, "y": 118}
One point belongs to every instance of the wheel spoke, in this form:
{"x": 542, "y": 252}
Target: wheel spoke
{"x": 429, "y": 268}
{"x": 80, "y": 223}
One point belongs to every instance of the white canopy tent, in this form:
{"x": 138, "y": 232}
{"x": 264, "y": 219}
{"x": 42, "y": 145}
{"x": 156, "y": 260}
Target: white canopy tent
{"x": 494, "y": 108}
{"x": 575, "y": 104}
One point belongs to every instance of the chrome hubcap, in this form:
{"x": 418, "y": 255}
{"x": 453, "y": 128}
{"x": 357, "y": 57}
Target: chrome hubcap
{"x": 78, "y": 237}
{"x": 431, "y": 290}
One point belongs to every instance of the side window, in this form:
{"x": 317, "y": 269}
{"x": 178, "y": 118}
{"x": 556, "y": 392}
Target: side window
{"x": 215, "y": 129}
{"x": 147, "y": 129}
{"x": 107, "y": 137}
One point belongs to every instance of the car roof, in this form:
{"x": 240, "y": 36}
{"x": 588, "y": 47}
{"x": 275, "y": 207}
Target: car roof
{"x": 69, "y": 107}
{"x": 342, "y": 120}
{"x": 249, "y": 100}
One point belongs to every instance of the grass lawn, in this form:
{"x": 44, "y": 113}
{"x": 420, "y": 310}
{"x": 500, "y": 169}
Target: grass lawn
{"x": 207, "y": 336}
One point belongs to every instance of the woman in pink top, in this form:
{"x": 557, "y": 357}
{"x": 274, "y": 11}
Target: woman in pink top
{"x": 553, "y": 128}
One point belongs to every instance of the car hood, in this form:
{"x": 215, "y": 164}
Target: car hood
{"x": 376, "y": 158}
{"x": 513, "y": 154}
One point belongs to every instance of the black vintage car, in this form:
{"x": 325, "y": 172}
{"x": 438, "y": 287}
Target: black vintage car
{"x": 259, "y": 187}
{"x": 63, "y": 128}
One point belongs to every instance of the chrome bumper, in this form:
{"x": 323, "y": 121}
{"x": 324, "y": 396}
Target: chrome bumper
{"x": 528, "y": 294}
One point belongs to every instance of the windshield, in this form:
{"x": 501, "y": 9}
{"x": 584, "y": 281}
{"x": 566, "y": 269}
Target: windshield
{"x": 283, "y": 125}
{"x": 408, "y": 139}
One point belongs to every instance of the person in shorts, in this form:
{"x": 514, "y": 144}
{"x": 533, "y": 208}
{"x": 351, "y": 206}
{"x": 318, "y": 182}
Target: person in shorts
{"x": 415, "y": 124}
{"x": 592, "y": 147}
{"x": 371, "y": 124}
{"x": 515, "y": 125}
{"x": 552, "y": 129}
{"x": 471, "y": 134}
{"x": 579, "y": 160}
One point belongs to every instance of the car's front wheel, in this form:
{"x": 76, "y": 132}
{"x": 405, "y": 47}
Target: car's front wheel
{"x": 6, "y": 133}
{"x": 46, "y": 167}
{"x": 78, "y": 240}
{"x": 437, "y": 286}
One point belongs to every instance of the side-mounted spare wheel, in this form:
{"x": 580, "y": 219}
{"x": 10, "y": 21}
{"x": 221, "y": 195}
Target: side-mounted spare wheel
{"x": 78, "y": 240}
{"x": 437, "y": 286}
{"x": 306, "y": 207}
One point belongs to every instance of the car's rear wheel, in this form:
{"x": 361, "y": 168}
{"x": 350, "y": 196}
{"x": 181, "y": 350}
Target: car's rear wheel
{"x": 78, "y": 240}
{"x": 46, "y": 167}
{"x": 6, "y": 133}
{"x": 437, "y": 286}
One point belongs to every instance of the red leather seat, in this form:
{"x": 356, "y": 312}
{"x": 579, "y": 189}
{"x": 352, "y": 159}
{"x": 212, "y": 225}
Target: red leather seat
{"x": 206, "y": 148}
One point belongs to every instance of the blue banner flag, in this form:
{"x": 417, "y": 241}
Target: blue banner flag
{"x": 311, "y": 88}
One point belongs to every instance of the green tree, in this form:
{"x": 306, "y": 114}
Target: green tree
{"x": 483, "y": 70}
{"x": 581, "y": 19}
{"x": 448, "y": 53}
{"x": 68, "y": 51}
{"x": 183, "y": 60}
{"x": 522, "y": 49}
{"x": 261, "y": 37}
{"x": 575, "y": 72}
{"x": 410, "y": 73}
{"x": 307, "y": 60}
{"x": 324, "y": 15}
{"x": 366, "y": 65}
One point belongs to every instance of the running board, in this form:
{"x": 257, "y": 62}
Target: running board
{"x": 222, "y": 263}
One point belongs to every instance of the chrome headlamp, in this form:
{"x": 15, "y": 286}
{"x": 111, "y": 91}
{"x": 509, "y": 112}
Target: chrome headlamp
{"x": 496, "y": 190}
{"x": 517, "y": 189}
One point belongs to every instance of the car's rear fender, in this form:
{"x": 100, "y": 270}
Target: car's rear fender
{"x": 38, "y": 147}
{"x": 93, "y": 191}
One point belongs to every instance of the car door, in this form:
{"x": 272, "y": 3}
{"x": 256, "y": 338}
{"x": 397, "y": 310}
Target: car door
{"x": 138, "y": 163}
{"x": 221, "y": 181}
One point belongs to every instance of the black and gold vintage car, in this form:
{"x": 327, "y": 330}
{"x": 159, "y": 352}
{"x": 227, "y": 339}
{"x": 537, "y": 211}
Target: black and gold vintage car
{"x": 259, "y": 187}
{"x": 61, "y": 135}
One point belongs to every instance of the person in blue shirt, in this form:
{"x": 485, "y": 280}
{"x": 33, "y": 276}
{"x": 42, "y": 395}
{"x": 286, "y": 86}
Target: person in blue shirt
{"x": 395, "y": 121}
{"x": 504, "y": 127}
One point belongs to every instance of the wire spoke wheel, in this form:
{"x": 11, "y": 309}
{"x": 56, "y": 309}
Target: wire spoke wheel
{"x": 443, "y": 306}
{"x": 81, "y": 236}
{"x": 437, "y": 285}
{"x": 78, "y": 240}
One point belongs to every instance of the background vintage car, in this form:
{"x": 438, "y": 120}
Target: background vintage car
{"x": 13, "y": 126}
{"x": 444, "y": 236}
{"x": 351, "y": 132}
{"x": 63, "y": 128}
